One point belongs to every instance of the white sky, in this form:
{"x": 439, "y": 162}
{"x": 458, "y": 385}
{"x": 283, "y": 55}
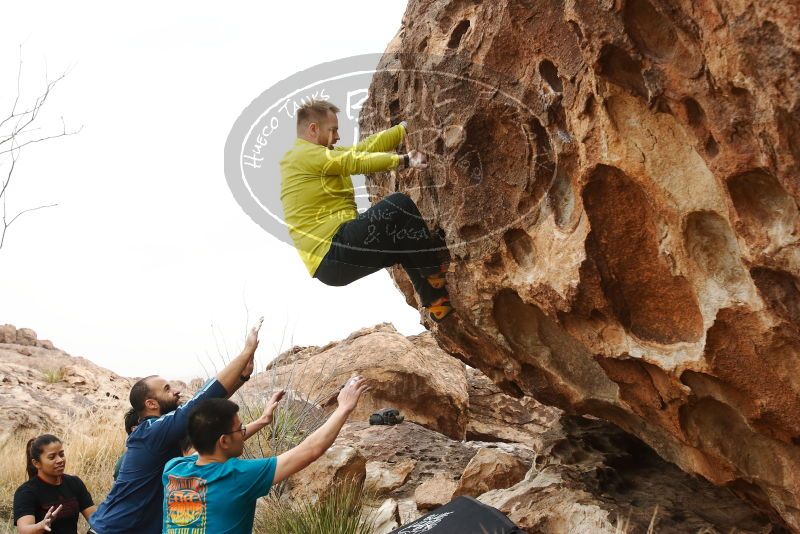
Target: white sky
{"x": 147, "y": 263}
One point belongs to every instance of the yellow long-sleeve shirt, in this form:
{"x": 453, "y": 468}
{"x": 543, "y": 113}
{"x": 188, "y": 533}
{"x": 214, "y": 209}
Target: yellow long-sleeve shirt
{"x": 317, "y": 191}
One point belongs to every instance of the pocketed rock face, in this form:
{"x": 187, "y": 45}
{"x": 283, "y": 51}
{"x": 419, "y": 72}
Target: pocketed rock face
{"x": 617, "y": 183}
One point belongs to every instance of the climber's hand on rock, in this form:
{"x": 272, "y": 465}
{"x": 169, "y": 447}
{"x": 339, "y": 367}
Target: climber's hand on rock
{"x": 417, "y": 160}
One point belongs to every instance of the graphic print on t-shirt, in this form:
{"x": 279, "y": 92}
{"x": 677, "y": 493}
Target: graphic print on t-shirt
{"x": 186, "y": 505}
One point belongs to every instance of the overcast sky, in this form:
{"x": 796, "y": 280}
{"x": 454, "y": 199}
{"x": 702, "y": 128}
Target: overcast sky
{"x": 147, "y": 264}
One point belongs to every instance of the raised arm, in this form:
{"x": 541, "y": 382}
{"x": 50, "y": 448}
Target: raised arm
{"x": 231, "y": 377}
{"x": 318, "y": 442}
{"x": 266, "y": 416}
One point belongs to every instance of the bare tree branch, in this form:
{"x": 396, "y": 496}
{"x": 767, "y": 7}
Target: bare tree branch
{"x": 6, "y": 225}
{"x": 19, "y": 129}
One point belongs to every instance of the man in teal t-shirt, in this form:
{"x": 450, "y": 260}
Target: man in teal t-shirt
{"x": 191, "y": 490}
{"x": 215, "y": 492}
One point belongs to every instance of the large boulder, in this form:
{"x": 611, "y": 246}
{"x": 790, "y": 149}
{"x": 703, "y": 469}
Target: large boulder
{"x": 383, "y": 477}
{"x": 490, "y": 469}
{"x": 339, "y": 463}
{"x": 617, "y": 183}
{"x": 411, "y": 374}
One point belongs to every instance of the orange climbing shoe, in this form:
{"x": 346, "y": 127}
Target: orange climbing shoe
{"x": 440, "y": 308}
{"x": 438, "y": 280}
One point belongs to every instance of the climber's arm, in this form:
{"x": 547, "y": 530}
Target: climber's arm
{"x": 382, "y": 141}
{"x": 349, "y": 162}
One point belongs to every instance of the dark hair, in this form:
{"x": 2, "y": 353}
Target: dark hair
{"x": 185, "y": 444}
{"x": 34, "y": 450}
{"x": 131, "y": 420}
{"x": 140, "y": 392}
{"x": 209, "y": 420}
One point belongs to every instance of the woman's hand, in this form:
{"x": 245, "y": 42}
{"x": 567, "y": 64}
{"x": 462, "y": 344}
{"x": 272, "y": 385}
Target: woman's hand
{"x": 49, "y": 517}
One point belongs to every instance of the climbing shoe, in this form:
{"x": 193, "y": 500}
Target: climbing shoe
{"x": 439, "y": 308}
{"x": 438, "y": 280}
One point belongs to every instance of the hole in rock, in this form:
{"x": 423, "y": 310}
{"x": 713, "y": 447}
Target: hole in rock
{"x": 781, "y": 292}
{"x": 549, "y": 73}
{"x": 767, "y": 214}
{"x": 577, "y": 29}
{"x": 561, "y": 197}
{"x": 588, "y": 106}
{"x": 394, "y": 109}
{"x": 621, "y": 69}
{"x": 713, "y": 425}
{"x": 712, "y": 148}
{"x": 789, "y": 130}
{"x": 504, "y": 148}
{"x": 694, "y": 113}
{"x": 624, "y": 243}
{"x": 471, "y": 231}
{"x": 459, "y": 31}
{"x": 423, "y": 45}
{"x": 520, "y": 245}
{"x": 649, "y": 29}
{"x": 712, "y": 245}
{"x": 548, "y": 356}
{"x": 753, "y": 370}
{"x": 495, "y": 262}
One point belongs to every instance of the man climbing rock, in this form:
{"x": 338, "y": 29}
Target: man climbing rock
{"x": 339, "y": 246}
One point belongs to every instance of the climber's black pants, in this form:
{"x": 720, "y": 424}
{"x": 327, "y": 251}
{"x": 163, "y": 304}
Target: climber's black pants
{"x": 391, "y": 232}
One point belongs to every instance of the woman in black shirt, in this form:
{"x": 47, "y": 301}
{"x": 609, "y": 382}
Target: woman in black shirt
{"x": 50, "y": 501}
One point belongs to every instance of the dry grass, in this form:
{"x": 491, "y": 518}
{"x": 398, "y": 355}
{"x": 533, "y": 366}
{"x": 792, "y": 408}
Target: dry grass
{"x": 53, "y": 375}
{"x": 340, "y": 510}
{"x": 92, "y": 443}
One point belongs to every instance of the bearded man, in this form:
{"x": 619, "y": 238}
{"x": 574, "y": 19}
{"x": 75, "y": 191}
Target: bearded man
{"x": 134, "y": 505}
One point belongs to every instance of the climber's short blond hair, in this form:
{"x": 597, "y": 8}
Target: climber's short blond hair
{"x": 314, "y": 111}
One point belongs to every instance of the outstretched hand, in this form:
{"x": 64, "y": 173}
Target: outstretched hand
{"x": 251, "y": 343}
{"x": 250, "y": 346}
{"x": 269, "y": 409}
{"x": 351, "y": 393}
{"x": 50, "y": 516}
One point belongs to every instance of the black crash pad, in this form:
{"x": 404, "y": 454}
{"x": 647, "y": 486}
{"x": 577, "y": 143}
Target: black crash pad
{"x": 463, "y": 515}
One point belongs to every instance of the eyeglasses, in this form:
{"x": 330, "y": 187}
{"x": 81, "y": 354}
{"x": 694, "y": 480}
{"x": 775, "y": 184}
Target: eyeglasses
{"x": 242, "y": 429}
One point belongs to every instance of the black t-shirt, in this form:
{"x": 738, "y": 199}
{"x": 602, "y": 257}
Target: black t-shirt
{"x": 36, "y": 496}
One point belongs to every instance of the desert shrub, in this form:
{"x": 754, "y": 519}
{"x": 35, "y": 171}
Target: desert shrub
{"x": 53, "y": 375}
{"x": 338, "y": 511}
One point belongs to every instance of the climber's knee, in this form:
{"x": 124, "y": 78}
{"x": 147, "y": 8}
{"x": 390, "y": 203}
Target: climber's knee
{"x": 402, "y": 201}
